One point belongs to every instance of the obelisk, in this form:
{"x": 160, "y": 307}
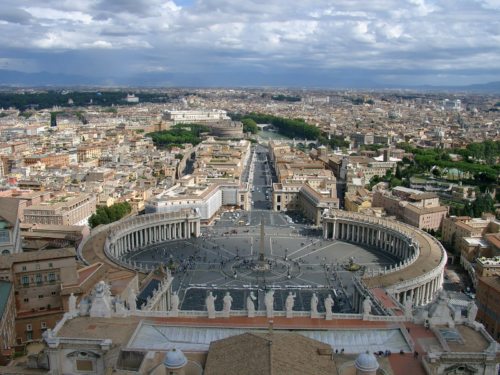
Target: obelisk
{"x": 262, "y": 240}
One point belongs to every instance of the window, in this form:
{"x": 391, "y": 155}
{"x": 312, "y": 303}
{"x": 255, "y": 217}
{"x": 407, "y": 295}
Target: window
{"x": 53, "y": 293}
{"x": 24, "y": 268}
{"x": 84, "y": 365}
{"x": 37, "y": 266}
{"x": 52, "y": 277}
{"x": 43, "y": 325}
{"x": 29, "y": 327}
{"x": 25, "y": 280}
{"x": 40, "y": 296}
{"x": 4, "y": 236}
{"x": 50, "y": 265}
{"x": 38, "y": 279}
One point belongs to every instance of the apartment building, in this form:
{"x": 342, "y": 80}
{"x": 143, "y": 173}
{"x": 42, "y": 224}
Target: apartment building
{"x": 311, "y": 197}
{"x": 10, "y": 237}
{"x": 461, "y": 233}
{"x": 49, "y": 160}
{"x": 303, "y": 183}
{"x": 206, "y": 197}
{"x": 7, "y": 321}
{"x": 358, "y": 200}
{"x": 63, "y": 209}
{"x": 37, "y": 278}
{"x": 488, "y": 302}
{"x": 413, "y": 207}
{"x": 88, "y": 152}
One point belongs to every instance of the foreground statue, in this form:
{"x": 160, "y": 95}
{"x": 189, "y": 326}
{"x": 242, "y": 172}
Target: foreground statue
{"x": 367, "y": 306}
{"x": 314, "y": 305}
{"x": 174, "y": 304}
{"x": 269, "y": 302}
{"x": 328, "y": 307}
{"x": 250, "y": 305}
{"x": 227, "y": 302}
{"x": 290, "y": 301}
{"x": 210, "y": 302}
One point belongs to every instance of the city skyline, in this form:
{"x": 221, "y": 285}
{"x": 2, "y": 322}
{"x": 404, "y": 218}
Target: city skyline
{"x": 215, "y": 43}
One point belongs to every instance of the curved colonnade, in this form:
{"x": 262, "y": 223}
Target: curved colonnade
{"x": 422, "y": 259}
{"x": 418, "y": 274}
{"x": 141, "y": 231}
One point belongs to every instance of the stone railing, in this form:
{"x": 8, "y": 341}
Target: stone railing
{"x": 158, "y": 294}
{"x": 261, "y": 313}
{"x": 366, "y": 292}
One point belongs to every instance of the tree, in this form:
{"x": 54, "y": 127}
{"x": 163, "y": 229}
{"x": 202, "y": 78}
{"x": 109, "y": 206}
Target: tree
{"x": 106, "y": 215}
{"x": 249, "y": 125}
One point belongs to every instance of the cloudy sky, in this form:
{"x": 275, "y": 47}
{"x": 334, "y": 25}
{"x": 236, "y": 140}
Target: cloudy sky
{"x": 334, "y": 43}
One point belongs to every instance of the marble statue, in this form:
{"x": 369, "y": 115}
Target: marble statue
{"x": 269, "y": 302}
{"x": 210, "y": 302}
{"x": 314, "y": 305}
{"x": 132, "y": 300}
{"x": 367, "y": 306}
{"x": 471, "y": 311}
{"x": 120, "y": 308}
{"x": 101, "y": 306}
{"x": 227, "y": 302}
{"x": 174, "y": 302}
{"x": 84, "y": 306}
{"x": 250, "y": 305}
{"x": 290, "y": 301}
{"x": 328, "y": 306}
{"x": 440, "y": 311}
{"x": 408, "y": 307}
{"x": 99, "y": 289}
{"x": 72, "y": 304}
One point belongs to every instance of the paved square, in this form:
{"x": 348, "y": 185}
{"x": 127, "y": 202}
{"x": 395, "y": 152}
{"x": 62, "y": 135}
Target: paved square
{"x": 225, "y": 257}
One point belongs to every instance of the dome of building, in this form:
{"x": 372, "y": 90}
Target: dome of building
{"x": 366, "y": 362}
{"x": 174, "y": 359}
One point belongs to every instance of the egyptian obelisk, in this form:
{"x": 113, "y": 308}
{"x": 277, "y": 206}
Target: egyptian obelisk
{"x": 262, "y": 241}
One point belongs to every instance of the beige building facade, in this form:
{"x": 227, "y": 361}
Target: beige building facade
{"x": 37, "y": 278}
{"x": 64, "y": 209}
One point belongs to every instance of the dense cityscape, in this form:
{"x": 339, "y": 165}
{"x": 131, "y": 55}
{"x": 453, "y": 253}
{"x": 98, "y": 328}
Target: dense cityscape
{"x": 366, "y": 221}
{"x": 211, "y": 187}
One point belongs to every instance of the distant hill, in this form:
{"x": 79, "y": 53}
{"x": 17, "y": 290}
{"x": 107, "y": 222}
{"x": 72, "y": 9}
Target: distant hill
{"x": 490, "y": 86}
{"x": 14, "y": 78}
{"x": 336, "y": 79}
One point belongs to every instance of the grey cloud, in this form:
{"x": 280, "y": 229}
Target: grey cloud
{"x": 15, "y": 15}
{"x": 254, "y": 35}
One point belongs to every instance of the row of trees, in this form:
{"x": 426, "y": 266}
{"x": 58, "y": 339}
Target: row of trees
{"x": 484, "y": 173}
{"x": 49, "y": 99}
{"x": 286, "y": 98}
{"x": 483, "y": 203}
{"x": 178, "y": 135}
{"x": 293, "y": 128}
{"x": 106, "y": 215}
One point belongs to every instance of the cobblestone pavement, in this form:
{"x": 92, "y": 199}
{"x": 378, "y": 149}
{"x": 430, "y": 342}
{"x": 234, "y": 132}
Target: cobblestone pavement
{"x": 225, "y": 256}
